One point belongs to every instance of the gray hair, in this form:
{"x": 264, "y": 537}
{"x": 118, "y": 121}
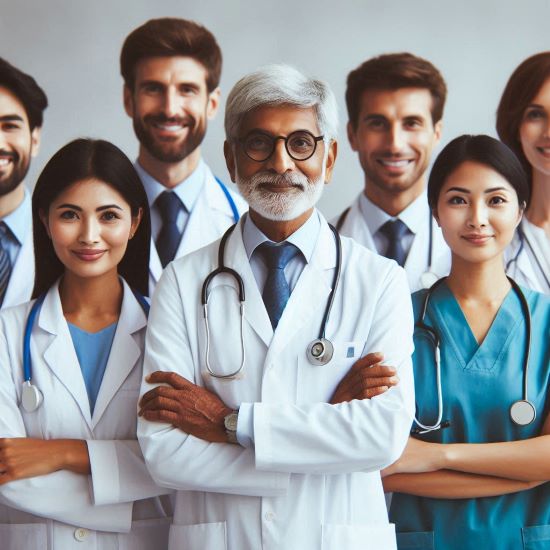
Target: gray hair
{"x": 281, "y": 85}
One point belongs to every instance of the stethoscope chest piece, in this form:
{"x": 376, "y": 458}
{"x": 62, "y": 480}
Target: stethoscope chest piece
{"x": 320, "y": 351}
{"x": 31, "y": 397}
{"x": 523, "y": 412}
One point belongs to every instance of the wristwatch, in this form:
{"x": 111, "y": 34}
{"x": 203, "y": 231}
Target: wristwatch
{"x": 230, "y": 424}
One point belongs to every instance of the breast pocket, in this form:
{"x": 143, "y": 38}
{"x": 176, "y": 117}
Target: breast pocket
{"x": 15, "y": 536}
{"x": 317, "y": 383}
{"x": 536, "y": 538}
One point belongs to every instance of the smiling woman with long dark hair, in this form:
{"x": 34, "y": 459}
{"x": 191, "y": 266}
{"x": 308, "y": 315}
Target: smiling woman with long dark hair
{"x": 70, "y": 465}
{"x": 473, "y": 476}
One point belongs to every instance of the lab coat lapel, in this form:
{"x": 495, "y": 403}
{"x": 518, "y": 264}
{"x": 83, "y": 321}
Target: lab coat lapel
{"x": 155, "y": 267}
{"x": 254, "y": 308}
{"x": 59, "y": 354}
{"x": 311, "y": 293}
{"x": 203, "y": 226}
{"x": 22, "y": 275}
{"x": 125, "y": 351}
{"x": 356, "y": 225}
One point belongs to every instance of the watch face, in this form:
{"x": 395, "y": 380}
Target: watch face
{"x": 231, "y": 422}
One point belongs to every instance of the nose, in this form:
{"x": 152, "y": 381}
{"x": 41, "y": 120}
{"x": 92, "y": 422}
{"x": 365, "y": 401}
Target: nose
{"x": 280, "y": 161}
{"x": 171, "y": 103}
{"x": 89, "y": 231}
{"x": 478, "y": 215}
{"x": 396, "y": 138}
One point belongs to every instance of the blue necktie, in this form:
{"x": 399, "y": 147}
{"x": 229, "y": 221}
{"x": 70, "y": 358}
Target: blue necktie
{"x": 276, "y": 290}
{"x": 169, "y": 237}
{"x": 395, "y": 231}
{"x": 5, "y": 264}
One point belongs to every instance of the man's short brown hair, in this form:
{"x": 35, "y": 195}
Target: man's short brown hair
{"x": 167, "y": 37}
{"x": 392, "y": 72}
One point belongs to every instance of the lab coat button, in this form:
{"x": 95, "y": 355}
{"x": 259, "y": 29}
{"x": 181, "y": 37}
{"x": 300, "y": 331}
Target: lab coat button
{"x": 269, "y": 516}
{"x": 80, "y": 534}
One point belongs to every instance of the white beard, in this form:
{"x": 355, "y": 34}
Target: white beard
{"x": 283, "y": 206}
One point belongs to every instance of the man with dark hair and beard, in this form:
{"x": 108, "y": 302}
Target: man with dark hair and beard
{"x": 171, "y": 69}
{"x": 22, "y": 103}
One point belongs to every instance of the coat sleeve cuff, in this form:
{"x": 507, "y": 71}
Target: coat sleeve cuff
{"x": 105, "y": 474}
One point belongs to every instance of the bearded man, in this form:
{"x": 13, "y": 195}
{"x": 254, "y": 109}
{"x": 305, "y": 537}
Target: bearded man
{"x": 171, "y": 69}
{"x": 258, "y": 420}
{"x": 22, "y": 103}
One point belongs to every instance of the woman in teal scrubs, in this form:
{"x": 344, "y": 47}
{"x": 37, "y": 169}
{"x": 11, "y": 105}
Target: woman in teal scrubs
{"x": 479, "y": 480}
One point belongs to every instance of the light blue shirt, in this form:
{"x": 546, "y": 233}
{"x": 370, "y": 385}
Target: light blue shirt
{"x": 93, "y": 350}
{"x": 415, "y": 216}
{"x": 305, "y": 239}
{"x": 188, "y": 191}
{"x": 18, "y": 223}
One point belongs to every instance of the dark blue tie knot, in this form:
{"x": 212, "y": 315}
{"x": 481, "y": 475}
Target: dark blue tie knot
{"x": 169, "y": 205}
{"x": 394, "y": 231}
{"x": 277, "y": 256}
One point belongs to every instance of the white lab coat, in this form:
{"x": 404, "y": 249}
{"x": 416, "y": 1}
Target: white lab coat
{"x": 312, "y": 481}
{"x": 210, "y": 217}
{"x": 21, "y": 280}
{"x": 520, "y": 267}
{"x": 416, "y": 263}
{"x": 117, "y": 507}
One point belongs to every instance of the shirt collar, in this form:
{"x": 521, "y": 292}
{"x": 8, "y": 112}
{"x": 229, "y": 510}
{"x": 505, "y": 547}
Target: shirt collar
{"x": 414, "y": 216}
{"x": 18, "y": 220}
{"x": 303, "y": 238}
{"x": 187, "y": 190}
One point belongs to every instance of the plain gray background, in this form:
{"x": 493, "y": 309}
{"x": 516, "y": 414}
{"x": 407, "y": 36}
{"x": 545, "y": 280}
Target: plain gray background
{"x": 72, "y": 48}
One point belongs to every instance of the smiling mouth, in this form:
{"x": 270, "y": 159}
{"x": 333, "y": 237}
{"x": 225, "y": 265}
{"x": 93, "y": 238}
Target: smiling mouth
{"x": 477, "y": 239}
{"x": 396, "y": 164}
{"x": 88, "y": 255}
{"x": 545, "y": 151}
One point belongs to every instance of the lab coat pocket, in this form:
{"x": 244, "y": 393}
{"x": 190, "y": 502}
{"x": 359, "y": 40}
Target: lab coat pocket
{"x": 202, "y": 536}
{"x": 536, "y": 537}
{"x": 146, "y": 534}
{"x": 359, "y": 537}
{"x": 318, "y": 382}
{"x": 422, "y": 540}
{"x": 30, "y": 536}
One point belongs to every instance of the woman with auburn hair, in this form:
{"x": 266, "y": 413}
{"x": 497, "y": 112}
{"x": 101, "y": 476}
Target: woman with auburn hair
{"x": 523, "y": 123}
{"x": 71, "y": 470}
{"x": 474, "y": 470}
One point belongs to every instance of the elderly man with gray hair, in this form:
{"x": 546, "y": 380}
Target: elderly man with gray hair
{"x": 251, "y": 408}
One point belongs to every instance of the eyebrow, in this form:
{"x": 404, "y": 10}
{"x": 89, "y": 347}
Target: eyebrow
{"x": 534, "y": 106}
{"x": 98, "y": 209}
{"x": 467, "y": 191}
{"x": 11, "y": 118}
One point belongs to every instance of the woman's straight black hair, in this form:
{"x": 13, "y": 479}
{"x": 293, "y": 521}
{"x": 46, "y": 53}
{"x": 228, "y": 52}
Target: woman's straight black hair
{"x": 80, "y": 160}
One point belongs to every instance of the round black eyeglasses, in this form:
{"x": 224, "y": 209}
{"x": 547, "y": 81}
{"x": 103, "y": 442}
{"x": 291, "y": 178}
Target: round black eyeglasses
{"x": 299, "y": 145}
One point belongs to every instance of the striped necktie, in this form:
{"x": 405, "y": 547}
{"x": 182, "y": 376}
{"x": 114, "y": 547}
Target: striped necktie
{"x": 5, "y": 264}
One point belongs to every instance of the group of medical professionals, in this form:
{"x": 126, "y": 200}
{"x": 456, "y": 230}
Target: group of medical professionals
{"x": 185, "y": 367}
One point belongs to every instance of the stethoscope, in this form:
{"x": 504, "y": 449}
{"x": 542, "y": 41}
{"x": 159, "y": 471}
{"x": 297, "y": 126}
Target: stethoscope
{"x": 522, "y": 412}
{"x": 522, "y": 241}
{"x": 429, "y": 277}
{"x": 318, "y": 352}
{"x": 31, "y": 396}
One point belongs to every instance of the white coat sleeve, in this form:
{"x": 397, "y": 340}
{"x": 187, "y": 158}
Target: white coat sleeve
{"x": 361, "y": 435}
{"x": 119, "y": 473}
{"x": 62, "y": 496}
{"x": 174, "y": 458}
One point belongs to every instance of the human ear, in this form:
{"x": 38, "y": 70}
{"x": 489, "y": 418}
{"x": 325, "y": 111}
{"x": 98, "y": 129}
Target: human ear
{"x": 136, "y": 220}
{"x": 128, "y": 100}
{"x": 229, "y": 154}
{"x": 36, "y": 135}
{"x": 44, "y": 219}
{"x": 213, "y": 103}
{"x": 351, "y": 136}
{"x": 330, "y": 160}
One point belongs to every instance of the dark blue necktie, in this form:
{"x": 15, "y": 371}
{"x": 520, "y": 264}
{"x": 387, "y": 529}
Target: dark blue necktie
{"x": 5, "y": 264}
{"x": 276, "y": 290}
{"x": 395, "y": 231}
{"x": 169, "y": 237}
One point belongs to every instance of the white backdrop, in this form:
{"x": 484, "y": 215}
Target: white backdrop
{"x": 72, "y": 48}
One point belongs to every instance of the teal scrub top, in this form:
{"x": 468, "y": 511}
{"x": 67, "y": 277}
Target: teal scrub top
{"x": 480, "y": 383}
